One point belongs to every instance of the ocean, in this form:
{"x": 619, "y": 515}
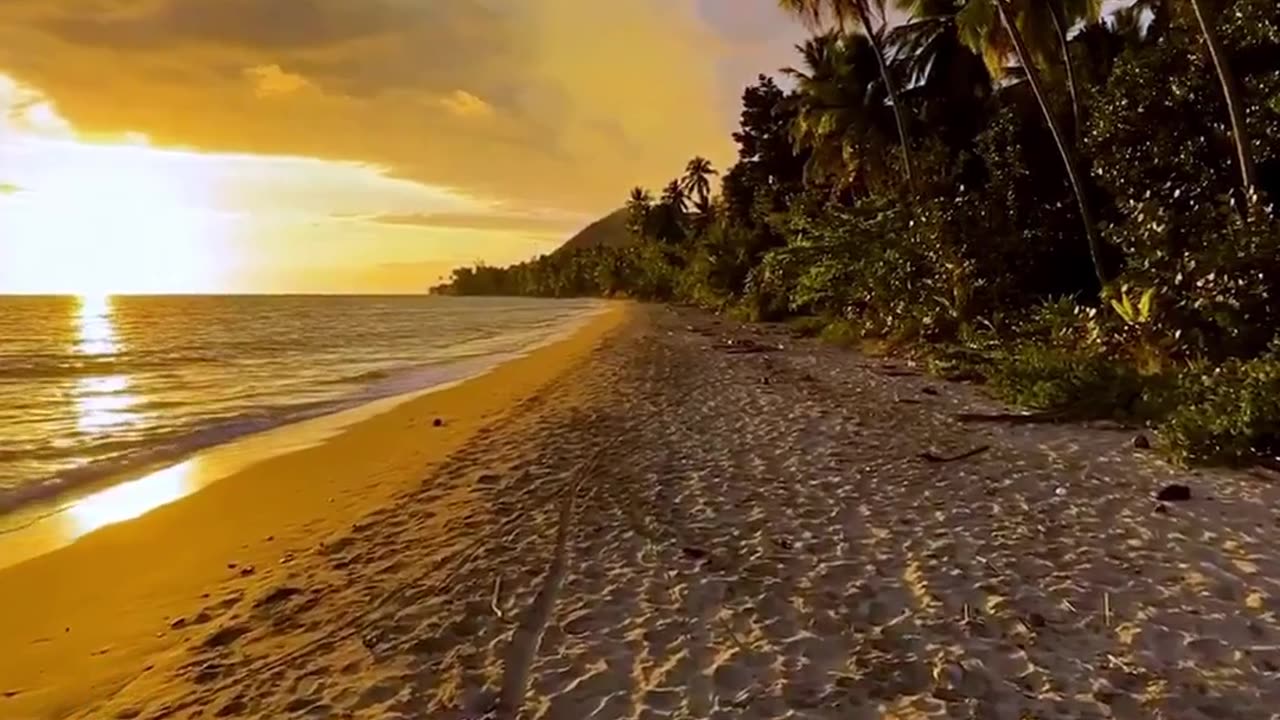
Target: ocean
{"x": 98, "y": 389}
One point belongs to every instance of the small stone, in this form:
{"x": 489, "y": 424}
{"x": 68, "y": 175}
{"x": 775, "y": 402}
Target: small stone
{"x": 1060, "y": 492}
{"x": 1174, "y": 493}
{"x": 1161, "y": 509}
{"x": 178, "y": 624}
{"x": 270, "y": 538}
{"x": 225, "y": 636}
{"x": 246, "y": 571}
{"x": 278, "y": 595}
{"x": 1141, "y": 442}
{"x": 694, "y": 553}
{"x": 128, "y": 713}
{"x": 438, "y": 422}
{"x": 232, "y": 566}
{"x": 929, "y": 391}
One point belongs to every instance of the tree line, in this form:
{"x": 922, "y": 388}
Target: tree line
{"x": 1076, "y": 208}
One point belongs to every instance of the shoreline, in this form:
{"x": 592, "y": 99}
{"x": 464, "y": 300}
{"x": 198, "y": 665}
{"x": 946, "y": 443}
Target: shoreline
{"x": 46, "y": 524}
{"x": 92, "y": 613}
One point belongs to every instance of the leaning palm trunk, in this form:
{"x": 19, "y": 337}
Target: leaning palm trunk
{"x": 1060, "y": 28}
{"x": 864, "y": 16}
{"x": 1068, "y": 159}
{"x": 1234, "y": 106}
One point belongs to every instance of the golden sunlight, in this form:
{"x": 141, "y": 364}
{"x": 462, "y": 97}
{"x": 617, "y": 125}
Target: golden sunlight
{"x": 98, "y": 217}
{"x": 130, "y": 500}
{"x": 96, "y": 326}
{"x": 114, "y": 220}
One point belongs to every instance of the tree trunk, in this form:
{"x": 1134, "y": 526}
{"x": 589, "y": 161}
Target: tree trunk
{"x": 1234, "y": 107}
{"x": 1060, "y": 27}
{"x": 1068, "y": 159}
{"x": 864, "y": 16}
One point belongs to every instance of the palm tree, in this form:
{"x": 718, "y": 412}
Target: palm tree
{"x": 1064, "y": 14}
{"x": 952, "y": 83}
{"x": 978, "y": 27}
{"x": 639, "y": 203}
{"x": 673, "y": 196}
{"x": 1234, "y": 106}
{"x": 842, "y": 12}
{"x": 697, "y": 178}
{"x": 671, "y": 208}
{"x": 839, "y": 104}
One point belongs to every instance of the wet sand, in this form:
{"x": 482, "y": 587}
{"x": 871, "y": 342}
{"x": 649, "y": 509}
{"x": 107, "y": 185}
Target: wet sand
{"x": 688, "y": 527}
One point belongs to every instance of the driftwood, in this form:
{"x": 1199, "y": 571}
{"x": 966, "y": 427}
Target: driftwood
{"x": 743, "y": 347}
{"x": 1012, "y": 418}
{"x": 930, "y": 457}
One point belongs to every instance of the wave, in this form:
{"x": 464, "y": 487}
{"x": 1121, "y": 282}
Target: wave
{"x": 45, "y": 367}
{"x": 124, "y": 457}
{"x": 168, "y": 416}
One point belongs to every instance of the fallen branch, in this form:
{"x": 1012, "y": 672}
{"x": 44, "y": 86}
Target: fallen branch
{"x": 496, "y": 602}
{"x": 1013, "y": 418}
{"x": 930, "y": 457}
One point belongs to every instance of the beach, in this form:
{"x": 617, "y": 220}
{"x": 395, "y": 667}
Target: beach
{"x": 672, "y": 515}
{"x": 84, "y": 623}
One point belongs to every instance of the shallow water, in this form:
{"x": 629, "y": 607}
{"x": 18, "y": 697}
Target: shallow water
{"x": 98, "y": 388}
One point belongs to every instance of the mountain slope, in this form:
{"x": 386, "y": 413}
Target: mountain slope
{"x": 608, "y": 231}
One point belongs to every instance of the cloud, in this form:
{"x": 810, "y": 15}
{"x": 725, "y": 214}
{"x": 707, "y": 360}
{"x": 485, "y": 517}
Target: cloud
{"x": 464, "y": 104}
{"x": 525, "y": 222}
{"x": 271, "y": 80}
{"x": 580, "y": 99}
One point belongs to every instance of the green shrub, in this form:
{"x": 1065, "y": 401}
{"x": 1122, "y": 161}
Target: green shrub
{"x": 842, "y": 333}
{"x": 1072, "y": 382}
{"x": 808, "y": 326}
{"x": 1226, "y": 414}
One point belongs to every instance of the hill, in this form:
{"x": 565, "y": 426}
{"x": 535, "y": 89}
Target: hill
{"x": 608, "y": 231}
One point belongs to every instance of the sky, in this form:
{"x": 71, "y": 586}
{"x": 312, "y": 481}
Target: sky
{"x": 344, "y": 146}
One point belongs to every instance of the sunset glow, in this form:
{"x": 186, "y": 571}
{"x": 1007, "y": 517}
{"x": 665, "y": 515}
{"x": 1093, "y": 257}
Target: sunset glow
{"x": 338, "y": 147}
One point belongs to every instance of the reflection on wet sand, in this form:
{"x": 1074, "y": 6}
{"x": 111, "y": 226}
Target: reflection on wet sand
{"x": 130, "y": 500}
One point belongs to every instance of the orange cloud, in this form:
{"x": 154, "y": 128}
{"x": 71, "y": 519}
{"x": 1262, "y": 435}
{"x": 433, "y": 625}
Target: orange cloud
{"x": 554, "y": 224}
{"x": 271, "y": 81}
{"x": 464, "y": 104}
{"x": 582, "y": 99}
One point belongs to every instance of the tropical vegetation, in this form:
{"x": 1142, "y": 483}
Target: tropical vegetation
{"x": 1072, "y": 206}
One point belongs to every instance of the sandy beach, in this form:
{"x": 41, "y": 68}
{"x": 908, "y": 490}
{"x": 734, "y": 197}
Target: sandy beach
{"x": 672, "y": 515}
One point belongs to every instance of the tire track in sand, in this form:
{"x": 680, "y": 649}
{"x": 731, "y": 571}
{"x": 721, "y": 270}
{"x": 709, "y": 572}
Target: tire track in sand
{"x": 528, "y": 634}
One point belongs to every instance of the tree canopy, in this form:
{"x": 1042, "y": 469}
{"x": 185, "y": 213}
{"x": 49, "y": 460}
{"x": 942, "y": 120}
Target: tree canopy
{"x": 1161, "y": 254}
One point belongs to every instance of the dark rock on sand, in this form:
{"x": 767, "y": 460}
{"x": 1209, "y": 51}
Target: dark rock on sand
{"x": 1174, "y": 493}
{"x": 226, "y": 636}
{"x": 438, "y": 422}
{"x": 695, "y": 553}
{"x": 1141, "y": 442}
{"x": 278, "y": 595}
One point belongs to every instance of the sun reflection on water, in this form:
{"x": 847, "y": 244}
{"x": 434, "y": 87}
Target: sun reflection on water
{"x": 132, "y": 499}
{"x": 103, "y": 403}
{"x": 96, "y": 326}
